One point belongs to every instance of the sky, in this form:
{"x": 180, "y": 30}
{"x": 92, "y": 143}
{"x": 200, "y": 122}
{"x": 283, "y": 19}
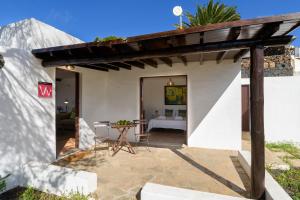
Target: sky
{"x": 90, "y": 18}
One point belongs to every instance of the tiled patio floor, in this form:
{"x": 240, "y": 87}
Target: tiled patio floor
{"x": 123, "y": 175}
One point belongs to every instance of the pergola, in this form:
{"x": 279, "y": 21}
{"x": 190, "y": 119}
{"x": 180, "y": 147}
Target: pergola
{"x": 229, "y": 40}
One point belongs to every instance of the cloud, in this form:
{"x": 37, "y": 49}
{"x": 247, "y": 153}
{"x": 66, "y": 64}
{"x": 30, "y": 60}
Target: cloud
{"x": 62, "y": 16}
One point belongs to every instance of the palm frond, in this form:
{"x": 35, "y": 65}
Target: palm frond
{"x": 213, "y": 12}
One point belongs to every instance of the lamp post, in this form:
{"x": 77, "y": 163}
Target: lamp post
{"x": 177, "y": 11}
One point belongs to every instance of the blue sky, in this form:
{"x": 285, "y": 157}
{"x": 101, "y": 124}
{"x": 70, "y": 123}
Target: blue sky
{"x": 90, "y": 18}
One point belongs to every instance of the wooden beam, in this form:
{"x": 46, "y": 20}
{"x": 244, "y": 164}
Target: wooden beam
{"x": 233, "y": 34}
{"x": 167, "y": 61}
{"x": 221, "y": 56}
{"x": 175, "y": 51}
{"x": 90, "y": 50}
{"x": 223, "y": 25}
{"x": 293, "y": 17}
{"x": 121, "y": 65}
{"x": 265, "y": 32}
{"x": 268, "y": 30}
{"x": 92, "y": 67}
{"x": 183, "y": 59}
{"x": 257, "y": 123}
{"x": 240, "y": 54}
{"x": 107, "y": 66}
{"x": 150, "y": 62}
{"x": 136, "y": 64}
{"x": 293, "y": 28}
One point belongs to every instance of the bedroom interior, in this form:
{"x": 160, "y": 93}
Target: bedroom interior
{"x": 164, "y": 107}
{"x": 65, "y": 111}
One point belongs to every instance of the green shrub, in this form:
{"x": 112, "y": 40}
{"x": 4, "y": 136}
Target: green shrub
{"x": 109, "y": 38}
{"x": 31, "y": 194}
{"x": 289, "y": 180}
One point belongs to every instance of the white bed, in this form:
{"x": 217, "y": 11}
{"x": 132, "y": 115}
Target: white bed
{"x": 167, "y": 123}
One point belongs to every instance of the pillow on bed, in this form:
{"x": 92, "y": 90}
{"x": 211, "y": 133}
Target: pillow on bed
{"x": 161, "y": 117}
{"x": 178, "y": 118}
{"x": 182, "y": 113}
{"x": 168, "y": 113}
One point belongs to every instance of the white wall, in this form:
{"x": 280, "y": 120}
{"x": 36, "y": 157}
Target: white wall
{"x": 27, "y": 122}
{"x": 297, "y": 66}
{"x": 154, "y": 95}
{"x": 282, "y": 108}
{"x": 214, "y": 99}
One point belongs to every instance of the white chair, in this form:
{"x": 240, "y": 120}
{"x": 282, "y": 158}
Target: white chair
{"x": 100, "y": 139}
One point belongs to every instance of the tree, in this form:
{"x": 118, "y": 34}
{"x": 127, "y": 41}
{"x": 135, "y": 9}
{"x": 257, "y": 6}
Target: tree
{"x": 212, "y": 13}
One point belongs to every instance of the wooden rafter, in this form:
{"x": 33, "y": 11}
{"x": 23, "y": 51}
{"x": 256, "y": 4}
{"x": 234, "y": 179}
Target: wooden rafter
{"x": 149, "y": 62}
{"x": 266, "y": 31}
{"x": 175, "y": 51}
{"x": 183, "y": 59}
{"x": 167, "y": 61}
{"x": 233, "y": 34}
{"x": 240, "y": 54}
{"x": 105, "y": 65}
{"x": 293, "y": 28}
{"x": 121, "y": 65}
{"x": 92, "y": 67}
{"x": 136, "y": 64}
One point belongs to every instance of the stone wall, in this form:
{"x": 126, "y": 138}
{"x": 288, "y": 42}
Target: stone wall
{"x": 278, "y": 62}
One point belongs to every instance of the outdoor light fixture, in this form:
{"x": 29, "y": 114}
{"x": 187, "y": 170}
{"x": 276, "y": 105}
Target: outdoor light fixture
{"x": 70, "y": 67}
{"x": 177, "y": 11}
{"x": 66, "y": 102}
{"x": 170, "y": 82}
{"x": 2, "y": 62}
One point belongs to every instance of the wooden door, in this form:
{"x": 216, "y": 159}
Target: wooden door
{"x": 245, "y": 108}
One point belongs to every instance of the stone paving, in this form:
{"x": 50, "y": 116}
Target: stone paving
{"x": 122, "y": 176}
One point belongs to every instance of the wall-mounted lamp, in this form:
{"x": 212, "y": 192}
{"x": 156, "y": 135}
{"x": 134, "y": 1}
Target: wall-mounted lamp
{"x": 66, "y": 102}
{"x": 70, "y": 67}
{"x": 2, "y": 62}
{"x": 170, "y": 82}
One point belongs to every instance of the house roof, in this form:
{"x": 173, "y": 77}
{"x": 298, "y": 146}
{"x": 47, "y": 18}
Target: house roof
{"x": 228, "y": 40}
{"x": 32, "y": 34}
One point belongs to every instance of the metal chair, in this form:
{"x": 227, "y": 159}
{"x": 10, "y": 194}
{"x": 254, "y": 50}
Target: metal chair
{"x": 141, "y": 136}
{"x": 101, "y": 138}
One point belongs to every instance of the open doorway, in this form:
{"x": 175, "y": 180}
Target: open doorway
{"x": 67, "y": 112}
{"x": 163, "y": 103}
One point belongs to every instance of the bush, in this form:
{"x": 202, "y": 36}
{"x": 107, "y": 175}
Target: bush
{"x": 107, "y": 39}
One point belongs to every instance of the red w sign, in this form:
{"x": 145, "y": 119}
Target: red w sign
{"x": 45, "y": 90}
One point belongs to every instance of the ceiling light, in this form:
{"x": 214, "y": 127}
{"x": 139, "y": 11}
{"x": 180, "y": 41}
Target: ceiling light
{"x": 70, "y": 67}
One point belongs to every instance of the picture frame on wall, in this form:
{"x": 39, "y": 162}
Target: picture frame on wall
{"x": 176, "y": 95}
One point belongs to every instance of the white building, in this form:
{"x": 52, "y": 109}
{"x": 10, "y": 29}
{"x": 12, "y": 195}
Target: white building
{"x": 28, "y": 122}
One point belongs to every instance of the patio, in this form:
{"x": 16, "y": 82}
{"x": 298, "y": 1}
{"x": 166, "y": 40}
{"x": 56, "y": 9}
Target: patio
{"x": 122, "y": 176}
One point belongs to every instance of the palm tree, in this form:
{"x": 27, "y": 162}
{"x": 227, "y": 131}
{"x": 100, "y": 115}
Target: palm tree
{"x": 212, "y": 13}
